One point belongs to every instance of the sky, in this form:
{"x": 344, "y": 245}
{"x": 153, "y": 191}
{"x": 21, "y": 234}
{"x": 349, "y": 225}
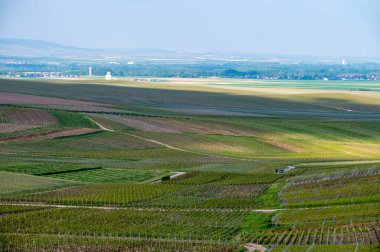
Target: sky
{"x": 290, "y": 27}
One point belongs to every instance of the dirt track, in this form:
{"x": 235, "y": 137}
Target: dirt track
{"x": 168, "y": 145}
{"x": 38, "y": 204}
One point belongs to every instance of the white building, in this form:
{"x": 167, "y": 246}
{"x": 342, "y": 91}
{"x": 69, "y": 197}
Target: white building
{"x": 344, "y": 62}
{"x": 130, "y": 62}
{"x": 108, "y": 76}
{"x": 90, "y": 71}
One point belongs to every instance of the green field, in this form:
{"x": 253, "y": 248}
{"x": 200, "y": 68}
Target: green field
{"x": 288, "y": 165}
{"x": 17, "y": 183}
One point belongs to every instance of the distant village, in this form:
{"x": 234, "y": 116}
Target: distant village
{"x": 112, "y": 69}
{"x": 109, "y": 76}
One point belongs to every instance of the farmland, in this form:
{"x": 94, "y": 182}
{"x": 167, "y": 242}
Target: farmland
{"x": 287, "y": 165}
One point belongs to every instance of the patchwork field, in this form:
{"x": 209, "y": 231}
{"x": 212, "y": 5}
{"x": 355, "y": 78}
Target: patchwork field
{"x": 189, "y": 165}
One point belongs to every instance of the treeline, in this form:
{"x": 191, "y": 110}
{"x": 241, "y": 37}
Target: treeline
{"x": 228, "y": 70}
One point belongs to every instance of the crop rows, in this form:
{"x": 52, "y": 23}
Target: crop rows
{"x": 225, "y": 191}
{"x": 148, "y": 154}
{"x": 212, "y": 196}
{"x": 189, "y": 202}
{"x": 192, "y": 190}
{"x": 40, "y": 168}
{"x": 197, "y": 225}
{"x": 327, "y": 248}
{"x": 364, "y": 234}
{"x": 348, "y": 173}
{"x": 97, "y": 194}
{"x": 197, "y": 177}
{"x": 334, "y": 216}
{"x": 8, "y": 209}
{"x": 3, "y": 117}
{"x": 65, "y": 242}
{"x": 31, "y": 124}
{"x": 343, "y": 190}
{"x": 151, "y": 196}
{"x": 108, "y": 175}
{"x": 73, "y": 120}
{"x": 30, "y": 116}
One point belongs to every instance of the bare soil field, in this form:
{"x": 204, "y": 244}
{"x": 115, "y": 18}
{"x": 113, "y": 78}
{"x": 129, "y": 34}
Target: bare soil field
{"x": 27, "y": 137}
{"x": 87, "y": 108}
{"x": 16, "y": 98}
{"x": 10, "y": 127}
{"x": 30, "y": 117}
{"x": 71, "y": 132}
{"x": 371, "y": 149}
{"x": 285, "y": 146}
{"x": 254, "y": 247}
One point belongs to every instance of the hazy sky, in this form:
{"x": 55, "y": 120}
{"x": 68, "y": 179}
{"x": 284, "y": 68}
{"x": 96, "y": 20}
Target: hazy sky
{"x": 307, "y": 27}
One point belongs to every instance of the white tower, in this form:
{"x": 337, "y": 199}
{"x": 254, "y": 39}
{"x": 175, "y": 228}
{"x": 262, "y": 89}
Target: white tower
{"x": 344, "y": 62}
{"x": 90, "y": 71}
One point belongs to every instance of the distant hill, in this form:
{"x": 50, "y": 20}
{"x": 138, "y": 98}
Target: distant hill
{"x": 37, "y": 48}
{"x": 29, "y": 48}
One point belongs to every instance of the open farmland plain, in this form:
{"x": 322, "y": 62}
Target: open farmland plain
{"x": 189, "y": 165}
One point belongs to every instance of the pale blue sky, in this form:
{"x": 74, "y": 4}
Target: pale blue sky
{"x": 303, "y": 27}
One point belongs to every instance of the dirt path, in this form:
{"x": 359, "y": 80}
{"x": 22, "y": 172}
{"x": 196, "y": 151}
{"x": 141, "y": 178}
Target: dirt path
{"x": 100, "y": 126}
{"x": 156, "y": 142}
{"x": 255, "y": 247}
{"x": 28, "y": 204}
{"x": 183, "y": 150}
{"x": 168, "y": 145}
{"x": 39, "y": 204}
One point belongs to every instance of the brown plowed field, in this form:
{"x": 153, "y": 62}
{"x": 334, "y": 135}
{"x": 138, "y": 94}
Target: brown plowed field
{"x": 27, "y": 137}
{"x": 16, "y": 98}
{"x": 285, "y": 146}
{"x": 57, "y": 103}
{"x": 9, "y": 127}
{"x": 71, "y": 132}
{"x": 30, "y": 116}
